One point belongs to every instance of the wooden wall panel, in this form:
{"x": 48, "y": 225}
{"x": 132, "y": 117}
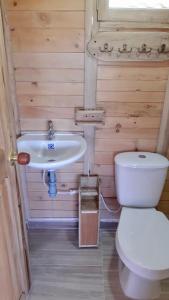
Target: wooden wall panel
{"x": 48, "y": 75}
{"x": 49, "y": 88}
{"x": 53, "y": 101}
{"x": 48, "y": 55}
{"x": 41, "y": 124}
{"x": 128, "y": 96}
{"x": 47, "y": 19}
{"x": 132, "y": 97}
{"x": 48, "y": 60}
{"x": 50, "y": 40}
{"x": 45, "y": 5}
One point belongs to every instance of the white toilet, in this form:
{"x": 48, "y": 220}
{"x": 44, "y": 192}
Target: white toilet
{"x": 142, "y": 238}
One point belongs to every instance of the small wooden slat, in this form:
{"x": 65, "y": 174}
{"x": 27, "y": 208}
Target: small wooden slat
{"x": 40, "y": 187}
{"x": 131, "y": 85}
{"x": 29, "y": 112}
{"x": 43, "y": 196}
{"x": 126, "y": 145}
{"x": 89, "y": 192}
{"x": 131, "y": 122}
{"x": 128, "y": 133}
{"x": 108, "y": 192}
{"x": 48, "y": 60}
{"x": 104, "y": 157}
{"x": 107, "y": 181}
{"x": 101, "y": 169}
{"x": 61, "y": 177}
{"x": 127, "y": 122}
{"x": 131, "y": 73}
{"x": 52, "y": 101}
{"x": 114, "y": 26}
{"x": 46, "y": 19}
{"x": 49, "y": 88}
{"x": 59, "y": 124}
{"x": 113, "y": 145}
{"x": 49, "y": 75}
{"x": 37, "y": 213}
{"x": 72, "y": 168}
{"x": 132, "y": 109}
{"x": 45, "y": 5}
{"x": 47, "y": 40}
{"x": 146, "y": 64}
{"x": 53, "y": 205}
{"x": 128, "y": 96}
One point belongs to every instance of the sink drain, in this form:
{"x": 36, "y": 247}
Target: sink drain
{"x": 51, "y": 160}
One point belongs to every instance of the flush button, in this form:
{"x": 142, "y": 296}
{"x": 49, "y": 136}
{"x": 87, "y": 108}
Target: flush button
{"x": 142, "y": 156}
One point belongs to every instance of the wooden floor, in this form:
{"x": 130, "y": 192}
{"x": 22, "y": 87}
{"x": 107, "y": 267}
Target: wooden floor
{"x": 61, "y": 271}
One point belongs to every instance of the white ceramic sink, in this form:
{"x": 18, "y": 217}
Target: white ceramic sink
{"x": 53, "y": 154}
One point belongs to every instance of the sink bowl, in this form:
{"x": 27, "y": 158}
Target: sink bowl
{"x": 46, "y": 154}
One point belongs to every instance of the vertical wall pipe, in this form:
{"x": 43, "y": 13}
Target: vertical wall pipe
{"x": 52, "y": 192}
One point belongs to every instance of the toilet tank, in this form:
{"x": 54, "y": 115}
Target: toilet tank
{"x": 140, "y": 178}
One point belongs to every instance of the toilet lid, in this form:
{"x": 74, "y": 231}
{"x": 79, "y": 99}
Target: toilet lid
{"x": 143, "y": 237}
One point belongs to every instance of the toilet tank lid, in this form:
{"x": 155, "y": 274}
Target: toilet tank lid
{"x": 143, "y": 160}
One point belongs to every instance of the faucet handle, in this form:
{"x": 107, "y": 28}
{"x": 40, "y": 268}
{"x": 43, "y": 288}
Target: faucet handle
{"x": 50, "y": 124}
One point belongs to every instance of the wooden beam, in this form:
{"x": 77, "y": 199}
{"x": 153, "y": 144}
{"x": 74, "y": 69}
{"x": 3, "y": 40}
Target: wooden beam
{"x": 90, "y": 82}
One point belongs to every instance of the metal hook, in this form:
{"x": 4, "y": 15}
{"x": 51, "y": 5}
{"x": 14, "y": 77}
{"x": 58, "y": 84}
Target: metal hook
{"x": 106, "y": 48}
{"x": 124, "y": 49}
{"x": 162, "y": 49}
{"x": 144, "y": 49}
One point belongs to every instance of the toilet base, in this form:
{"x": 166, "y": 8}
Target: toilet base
{"x": 137, "y": 287}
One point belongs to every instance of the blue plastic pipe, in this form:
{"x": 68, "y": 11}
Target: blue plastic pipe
{"x": 52, "y": 192}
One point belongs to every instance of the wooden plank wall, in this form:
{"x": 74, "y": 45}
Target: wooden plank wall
{"x": 132, "y": 96}
{"x": 48, "y": 54}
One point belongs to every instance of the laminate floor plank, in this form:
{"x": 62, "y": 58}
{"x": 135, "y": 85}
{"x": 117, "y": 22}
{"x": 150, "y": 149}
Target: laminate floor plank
{"x": 62, "y": 271}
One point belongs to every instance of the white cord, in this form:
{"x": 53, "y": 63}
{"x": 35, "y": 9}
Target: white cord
{"x": 114, "y": 211}
{"x": 44, "y": 178}
{"x": 74, "y": 191}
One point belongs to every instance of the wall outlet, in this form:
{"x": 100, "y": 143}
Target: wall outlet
{"x": 89, "y": 116}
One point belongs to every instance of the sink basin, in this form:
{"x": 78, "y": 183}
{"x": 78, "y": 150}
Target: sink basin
{"x": 46, "y": 154}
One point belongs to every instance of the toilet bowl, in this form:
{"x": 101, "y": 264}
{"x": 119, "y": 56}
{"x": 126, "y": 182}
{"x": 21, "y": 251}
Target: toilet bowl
{"x": 142, "y": 242}
{"x": 142, "y": 237}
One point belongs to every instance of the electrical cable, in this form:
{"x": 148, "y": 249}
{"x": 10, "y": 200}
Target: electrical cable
{"x": 114, "y": 211}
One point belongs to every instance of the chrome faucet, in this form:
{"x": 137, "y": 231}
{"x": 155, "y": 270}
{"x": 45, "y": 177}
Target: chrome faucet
{"x": 51, "y": 131}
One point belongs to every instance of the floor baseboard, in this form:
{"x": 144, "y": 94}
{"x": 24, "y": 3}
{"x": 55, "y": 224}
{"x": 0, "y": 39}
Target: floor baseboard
{"x": 65, "y": 224}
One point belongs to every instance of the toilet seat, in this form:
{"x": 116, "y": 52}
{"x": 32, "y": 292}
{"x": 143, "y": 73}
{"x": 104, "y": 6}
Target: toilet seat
{"x": 142, "y": 242}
